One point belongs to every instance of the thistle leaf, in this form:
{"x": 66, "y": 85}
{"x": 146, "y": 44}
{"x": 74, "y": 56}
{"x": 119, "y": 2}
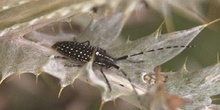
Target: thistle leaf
{"x": 195, "y": 87}
{"x": 31, "y": 15}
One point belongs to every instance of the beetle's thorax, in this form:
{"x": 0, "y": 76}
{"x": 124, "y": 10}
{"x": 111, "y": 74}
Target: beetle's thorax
{"x": 103, "y": 59}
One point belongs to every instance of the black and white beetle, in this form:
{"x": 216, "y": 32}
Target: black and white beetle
{"x": 83, "y": 52}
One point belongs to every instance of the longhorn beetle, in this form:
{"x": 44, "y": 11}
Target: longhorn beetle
{"x": 83, "y": 52}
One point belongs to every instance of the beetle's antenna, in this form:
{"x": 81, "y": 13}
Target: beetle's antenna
{"x": 158, "y": 49}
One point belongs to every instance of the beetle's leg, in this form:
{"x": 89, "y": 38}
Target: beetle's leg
{"x": 60, "y": 57}
{"x": 86, "y": 42}
{"x": 73, "y": 65}
{"x": 107, "y": 81}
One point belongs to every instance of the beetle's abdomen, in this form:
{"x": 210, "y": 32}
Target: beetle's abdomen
{"x": 74, "y": 50}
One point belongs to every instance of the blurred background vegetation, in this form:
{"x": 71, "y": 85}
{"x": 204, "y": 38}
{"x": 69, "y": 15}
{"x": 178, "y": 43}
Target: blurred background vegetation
{"x": 22, "y": 93}
{"x": 207, "y": 42}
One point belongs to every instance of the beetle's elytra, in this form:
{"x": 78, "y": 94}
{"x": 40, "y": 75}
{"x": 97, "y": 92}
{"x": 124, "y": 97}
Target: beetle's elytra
{"x": 83, "y": 52}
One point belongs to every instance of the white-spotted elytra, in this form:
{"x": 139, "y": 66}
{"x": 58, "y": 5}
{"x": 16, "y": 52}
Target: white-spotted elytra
{"x": 83, "y": 52}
